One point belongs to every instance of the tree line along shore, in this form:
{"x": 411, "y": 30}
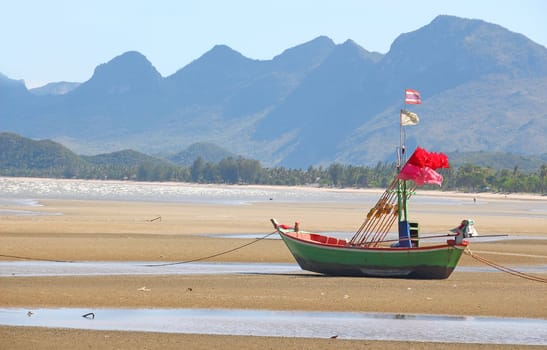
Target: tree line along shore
{"x": 239, "y": 170}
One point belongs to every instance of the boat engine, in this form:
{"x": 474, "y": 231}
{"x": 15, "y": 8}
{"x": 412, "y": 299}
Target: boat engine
{"x": 466, "y": 229}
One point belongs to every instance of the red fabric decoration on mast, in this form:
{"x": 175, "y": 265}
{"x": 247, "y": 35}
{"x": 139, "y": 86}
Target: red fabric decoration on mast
{"x": 421, "y": 167}
{"x": 422, "y": 158}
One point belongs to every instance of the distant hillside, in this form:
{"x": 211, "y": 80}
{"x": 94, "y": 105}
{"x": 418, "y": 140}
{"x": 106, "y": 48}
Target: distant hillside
{"x": 207, "y": 151}
{"x": 124, "y": 158}
{"x": 59, "y": 88}
{"x": 497, "y": 160}
{"x": 22, "y": 153}
{"x": 482, "y": 87}
{"x": 21, "y": 156}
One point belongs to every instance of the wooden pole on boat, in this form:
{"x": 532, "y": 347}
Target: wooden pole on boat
{"x": 368, "y": 225}
{"x": 374, "y": 222}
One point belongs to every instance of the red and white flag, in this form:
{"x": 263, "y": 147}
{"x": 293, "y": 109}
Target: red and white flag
{"x": 412, "y": 97}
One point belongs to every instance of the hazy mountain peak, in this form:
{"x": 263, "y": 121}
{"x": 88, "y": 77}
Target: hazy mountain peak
{"x": 306, "y": 56}
{"x": 219, "y": 59}
{"x": 222, "y": 49}
{"x": 222, "y": 53}
{"x": 351, "y": 47}
{"x": 321, "y": 44}
{"x": 10, "y": 89}
{"x": 127, "y": 72}
{"x": 473, "y": 47}
{"x": 127, "y": 63}
{"x": 10, "y": 83}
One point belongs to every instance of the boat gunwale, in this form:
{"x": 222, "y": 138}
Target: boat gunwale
{"x": 291, "y": 235}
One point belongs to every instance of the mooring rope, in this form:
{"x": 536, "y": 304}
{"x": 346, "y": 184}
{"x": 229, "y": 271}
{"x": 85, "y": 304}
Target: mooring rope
{"x": 214, "y": 255}
{"x": 34, "y": 259}
{"x": 504, "y": 268}
{"x": 151, "y": 265}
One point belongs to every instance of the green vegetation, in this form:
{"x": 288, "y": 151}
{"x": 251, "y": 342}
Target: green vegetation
{"x": 473, "y": 178}
{"x": 24, "y": 157}
{"x": 245, "y": 171}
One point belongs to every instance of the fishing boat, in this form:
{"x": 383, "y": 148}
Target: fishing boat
{"x": 368, "y": 253}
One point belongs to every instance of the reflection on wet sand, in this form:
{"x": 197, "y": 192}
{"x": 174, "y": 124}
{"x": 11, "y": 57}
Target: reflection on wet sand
{"x": 107, "y": 268}
{"x": 343, "y": 325}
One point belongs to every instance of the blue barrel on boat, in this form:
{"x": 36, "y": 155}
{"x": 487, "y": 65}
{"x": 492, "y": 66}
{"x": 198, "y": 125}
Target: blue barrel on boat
{"x": 404, "y": 235}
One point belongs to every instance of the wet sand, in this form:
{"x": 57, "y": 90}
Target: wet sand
{"x": 133, "y": 231}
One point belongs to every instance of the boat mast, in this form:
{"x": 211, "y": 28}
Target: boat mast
{"x": 402, "y": 195}
{"x": 392, "y": 205}
{"x": 401, "y": 184}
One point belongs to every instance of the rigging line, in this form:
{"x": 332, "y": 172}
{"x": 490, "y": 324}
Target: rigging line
{"x": 364, "y": 230}
{"x": 34, "y": 259}
{"x": 408, "y": 194}
{"x": 512, "y": 254}
{"x": 504, "y": 268}
{"x": 376, "y": 218}
{"x": 382, "y": 232}
{"x": 214, "y": 255}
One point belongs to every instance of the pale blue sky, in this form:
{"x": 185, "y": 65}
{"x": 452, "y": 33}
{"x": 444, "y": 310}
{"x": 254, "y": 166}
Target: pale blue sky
{"x": 44, "y": 41}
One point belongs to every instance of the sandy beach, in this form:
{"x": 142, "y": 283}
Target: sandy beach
{"x": 94, "y": 230}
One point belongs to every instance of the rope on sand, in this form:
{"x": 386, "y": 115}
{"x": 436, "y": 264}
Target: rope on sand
{"x": 512, "y": 254}
{"x": 33, "y": 258}
{"x": 504, "y": 268}
{"x": 214, "y": 255}
{"x": 151, "y": 265}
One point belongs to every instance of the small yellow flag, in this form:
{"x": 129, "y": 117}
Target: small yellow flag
{"x": 408, "y": 118}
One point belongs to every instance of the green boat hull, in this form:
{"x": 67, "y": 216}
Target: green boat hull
{"x": 434, "y": 262}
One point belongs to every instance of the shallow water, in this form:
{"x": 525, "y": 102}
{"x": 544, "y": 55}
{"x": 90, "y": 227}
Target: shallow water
{"x": 18, "y": 212}
{"x": 29, "y": 191}
{"x": 345, "y": 325}
{"x": 109, "y": 268}
{"x": 23, "y": 188}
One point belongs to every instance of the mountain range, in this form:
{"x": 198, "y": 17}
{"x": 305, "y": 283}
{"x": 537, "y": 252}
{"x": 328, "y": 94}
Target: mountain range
{"x": 482, "y": 89}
